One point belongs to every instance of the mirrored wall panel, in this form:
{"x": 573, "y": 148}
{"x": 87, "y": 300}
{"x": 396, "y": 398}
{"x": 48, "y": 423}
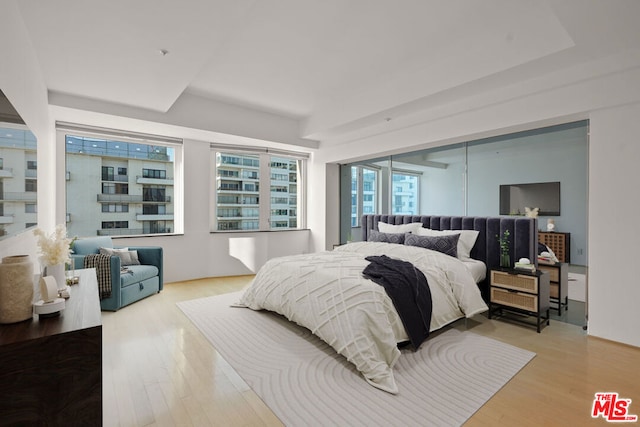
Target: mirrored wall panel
{"x": 542, "y": 168}
{"x": 18, "y": 172}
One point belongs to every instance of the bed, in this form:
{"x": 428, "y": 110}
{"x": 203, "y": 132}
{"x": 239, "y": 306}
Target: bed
{"x": 330, "y": 294}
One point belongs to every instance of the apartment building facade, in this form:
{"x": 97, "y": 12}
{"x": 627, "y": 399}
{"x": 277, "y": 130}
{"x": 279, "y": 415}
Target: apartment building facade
{"x": 239, "y": 181}
{"x": 118, "y": 188}
{"x": 18, "y": 179}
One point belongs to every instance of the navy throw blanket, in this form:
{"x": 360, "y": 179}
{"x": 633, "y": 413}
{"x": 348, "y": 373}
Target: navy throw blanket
{"x": 408, "y": 289}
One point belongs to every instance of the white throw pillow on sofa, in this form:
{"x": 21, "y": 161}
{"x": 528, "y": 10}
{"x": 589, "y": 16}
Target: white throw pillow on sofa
{"x": 126, "y": 256}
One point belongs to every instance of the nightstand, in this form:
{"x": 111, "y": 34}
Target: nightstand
{"x": 521, "y": 293}
{"x": 559, "y": 282}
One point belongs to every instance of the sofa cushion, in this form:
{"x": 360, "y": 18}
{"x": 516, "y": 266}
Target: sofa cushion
{"x": 126, "y": 256}
{"x": 136, "y": 274}
{"x": 91, "y": 245}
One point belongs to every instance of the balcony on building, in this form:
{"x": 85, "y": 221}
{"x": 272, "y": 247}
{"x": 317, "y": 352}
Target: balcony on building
{"x": 10, "y": 196}
{"x": 6, "y": 173}
{"x": 119, "y": 231}
{"x": 130, "y": 198}
{"x": 140, "y": 179}
{"x": 6, "y": 218}
{"x": 154, "y": 217}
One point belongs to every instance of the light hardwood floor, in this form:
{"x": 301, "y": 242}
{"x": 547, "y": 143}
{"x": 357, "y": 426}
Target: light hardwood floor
{"x": 158, "y": 370}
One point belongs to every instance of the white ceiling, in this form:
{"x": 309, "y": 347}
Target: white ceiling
{"x": 342, "y": 68}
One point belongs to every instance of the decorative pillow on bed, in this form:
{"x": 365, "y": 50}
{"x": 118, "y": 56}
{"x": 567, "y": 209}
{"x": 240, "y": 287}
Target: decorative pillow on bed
{"x": 446, "y": 244}
{"x": 412, "y": 227}
{"x": 465, "y": 242}
{"x": 377, "y": 236}
{"x": 126, "y": 256}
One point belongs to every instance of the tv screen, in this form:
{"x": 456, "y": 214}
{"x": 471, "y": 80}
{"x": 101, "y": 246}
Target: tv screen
{"x": 543, "y": 195}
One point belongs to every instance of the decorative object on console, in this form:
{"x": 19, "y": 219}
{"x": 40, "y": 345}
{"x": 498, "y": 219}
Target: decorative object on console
{"x": 16, "y": 289}
{"x": 505, "y": 259}
{"x": 525, "y": 264}
{"x": 50, "y": 304}
{"x": 531, "y": 212}
{"x": 551, "y": 225}
{"x": 55, "y": 252}
{"x": 57, "y": 271}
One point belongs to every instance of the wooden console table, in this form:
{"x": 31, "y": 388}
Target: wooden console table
{"x": 51, "y": 368}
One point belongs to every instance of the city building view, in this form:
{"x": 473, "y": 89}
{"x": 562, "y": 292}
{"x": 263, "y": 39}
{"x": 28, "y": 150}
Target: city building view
{"x": 238, "y": 192}
{"x": 18, "y": 179}
{"x": 365, "y": 190}
{"x": 404, "y": 193}
{"x": 118, "y": 188}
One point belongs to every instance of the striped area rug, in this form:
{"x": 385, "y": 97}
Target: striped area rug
{"x": 306, "y": 383}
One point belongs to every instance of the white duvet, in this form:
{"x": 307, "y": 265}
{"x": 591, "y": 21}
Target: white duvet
{"x": 326, "y": 293}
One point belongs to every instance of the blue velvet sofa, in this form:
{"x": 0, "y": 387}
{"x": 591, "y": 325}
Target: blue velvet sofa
{"x": 139, "y": 281}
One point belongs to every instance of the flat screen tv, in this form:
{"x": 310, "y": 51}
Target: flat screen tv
{"x": 543, "y": 195}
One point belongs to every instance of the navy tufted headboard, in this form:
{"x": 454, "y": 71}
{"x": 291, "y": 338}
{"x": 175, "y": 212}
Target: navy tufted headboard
{"x": 523, "y": 233}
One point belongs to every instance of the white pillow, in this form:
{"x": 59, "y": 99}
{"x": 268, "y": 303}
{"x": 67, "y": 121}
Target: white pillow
{"x": 465, "y": 242}
{"x": 126, "y": 256}
{"x": 412, "y": 227}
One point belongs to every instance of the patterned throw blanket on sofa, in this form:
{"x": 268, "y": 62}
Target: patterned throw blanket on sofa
{"x": 102, "y": 264}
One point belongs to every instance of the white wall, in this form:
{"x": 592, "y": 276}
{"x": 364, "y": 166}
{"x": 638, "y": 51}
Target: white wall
{"x": 614, "y": 232}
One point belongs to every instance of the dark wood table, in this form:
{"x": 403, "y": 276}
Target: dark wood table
{"x": 51, "y": 368}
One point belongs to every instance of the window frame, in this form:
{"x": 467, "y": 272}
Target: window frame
{"x": 110, "y": 136}
{"x": 264, "y": 223}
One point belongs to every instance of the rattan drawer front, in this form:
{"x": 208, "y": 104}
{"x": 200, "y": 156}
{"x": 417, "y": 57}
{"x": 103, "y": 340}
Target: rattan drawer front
{"x": 554, "y": 273}
{"x": 554, "y": 290}
{"x": 514, "y": 299}
{"x": 517, "y": 282}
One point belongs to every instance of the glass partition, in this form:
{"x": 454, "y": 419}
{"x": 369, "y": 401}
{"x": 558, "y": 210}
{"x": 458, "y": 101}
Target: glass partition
{"x": 465, "y": 179}
{"x": 439, "y": 180}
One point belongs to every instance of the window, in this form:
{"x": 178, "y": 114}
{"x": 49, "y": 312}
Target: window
{"x": 117, "y": 169}
{"x": 115, "y": 224}
{"x": 154, "y": 193}
{"x": 115, "y": 207}
{"x": 30, "y": 208}
{"x": 154, "y": 209}
{"x": 32, "y": 165}
{"x": 111, "y": 188}
{"x": 257, "y": 191}
{"x": 154, "y": 173}
{"x": 30, "y": 185}
{"x": 364, "y": 192}
{"x": 154, "y": 227}
{"x": 405, "y": 193}
{"x": 107, "y": 173}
